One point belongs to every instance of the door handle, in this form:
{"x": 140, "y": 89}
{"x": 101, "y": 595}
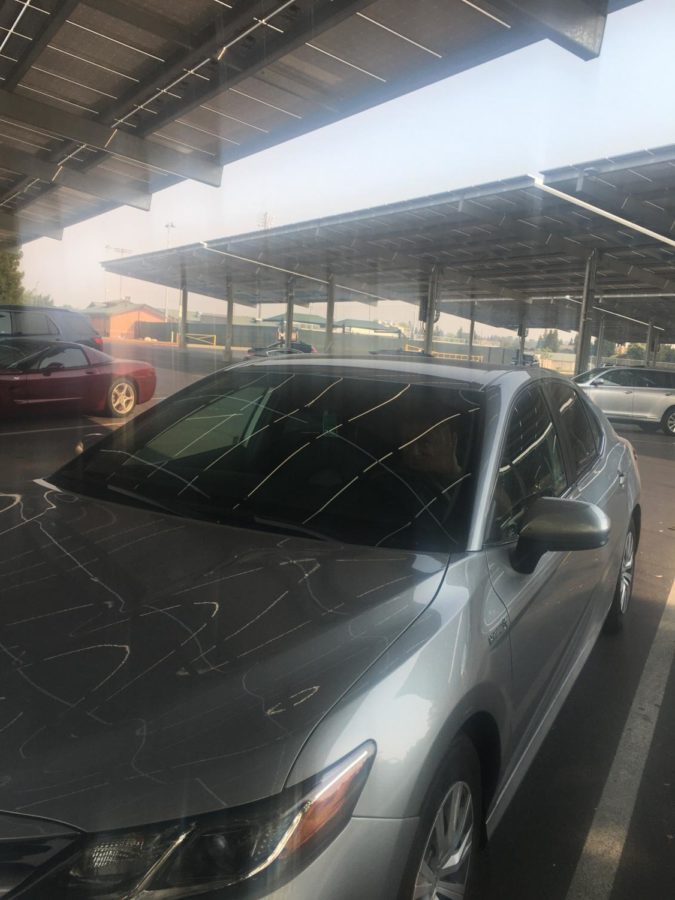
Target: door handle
{"x": 628, "y": 392}
{"x": 622, "y": 479}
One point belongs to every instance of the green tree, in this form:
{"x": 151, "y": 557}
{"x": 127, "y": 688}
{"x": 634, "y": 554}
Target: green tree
{"x": 666, "y": 354}
{"x": 11, "y": 277}
{"x": 635, "y": 351}
{"x": 549, "y": 341}
{"x": 32, "y": 298}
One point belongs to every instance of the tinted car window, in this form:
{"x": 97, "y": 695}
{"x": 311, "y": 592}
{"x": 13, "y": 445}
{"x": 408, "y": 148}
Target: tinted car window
{"x": 66, "y": 358}
{"x": 381, "y": 462}
{"x": 30, "y": 322}
{"x": 662, "y": 380}
{"x": 5, "y": 323}
{"x": 531, "y": 465}
{"x": 575, "y": 422}
{"x": 18, "y": 353}
{"x": 623, "y": 377}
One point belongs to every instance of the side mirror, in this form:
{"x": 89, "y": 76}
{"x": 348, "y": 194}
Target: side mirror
{"x": 52, "y": 367}
{"x": 558, "y": 525}
{"x": 88, "y": 440}
{"x": 597, "y": 382}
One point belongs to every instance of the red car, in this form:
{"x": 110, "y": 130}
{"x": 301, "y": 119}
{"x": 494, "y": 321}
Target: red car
{"x": 56, "y": 376}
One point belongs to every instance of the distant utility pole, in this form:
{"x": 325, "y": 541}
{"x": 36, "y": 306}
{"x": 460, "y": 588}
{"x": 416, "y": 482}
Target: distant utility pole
{"x": 121, "y": 252}
{"x": 169, "y": 226}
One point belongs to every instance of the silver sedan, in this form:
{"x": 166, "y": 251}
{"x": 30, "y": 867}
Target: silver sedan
{"x": 299, "y": 630}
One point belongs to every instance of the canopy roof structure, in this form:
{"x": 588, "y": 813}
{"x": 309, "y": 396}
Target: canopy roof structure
{"x": 103, "y": 102}
{"x": 516, "y": 250}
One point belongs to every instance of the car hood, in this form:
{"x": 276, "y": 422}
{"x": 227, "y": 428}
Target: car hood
{"x": 154, "y": 666}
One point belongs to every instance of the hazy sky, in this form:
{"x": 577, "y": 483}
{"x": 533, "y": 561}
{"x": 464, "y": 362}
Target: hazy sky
{"x": 535, "y": 109}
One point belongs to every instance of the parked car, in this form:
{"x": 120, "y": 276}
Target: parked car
{"x": 529, "y": 359}
{"x": 50, "y": 322}
{"x": 55, "y": 376}
{"x": 279, "y": 348}
{"x": 298, "y": 631}
{"x": 641, "y": 395}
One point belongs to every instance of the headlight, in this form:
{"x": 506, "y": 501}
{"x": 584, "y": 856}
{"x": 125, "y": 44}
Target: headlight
{"x": 266, "y": 843}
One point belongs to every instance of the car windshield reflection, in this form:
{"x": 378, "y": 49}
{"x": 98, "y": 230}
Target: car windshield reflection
{"x": 328, "y": 455}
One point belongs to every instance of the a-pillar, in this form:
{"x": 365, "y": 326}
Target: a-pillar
{"x": 431, "y": 307}
{"x": 290, "y": 300}
{"x": 586, "y": 315}
{"x": 229, "y": 326}
{"x": 330, "y": 313}
{"x": 183, "y": 314}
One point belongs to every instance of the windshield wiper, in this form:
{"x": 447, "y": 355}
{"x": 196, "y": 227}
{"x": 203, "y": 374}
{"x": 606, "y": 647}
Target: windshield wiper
{"x": 287, "y": 528}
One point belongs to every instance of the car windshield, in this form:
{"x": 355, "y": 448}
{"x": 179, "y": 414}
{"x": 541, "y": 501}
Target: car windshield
{"x": 351, "y": 458}
{"x": 587, "y": 377}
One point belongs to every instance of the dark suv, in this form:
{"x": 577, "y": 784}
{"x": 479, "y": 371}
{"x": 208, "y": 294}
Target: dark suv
{"x": 48, "y": 322}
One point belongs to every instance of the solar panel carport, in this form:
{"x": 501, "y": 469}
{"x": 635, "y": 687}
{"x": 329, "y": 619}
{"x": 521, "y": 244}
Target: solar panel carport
{"x": 103, "y": 102}
{"x": 591, "y": 243}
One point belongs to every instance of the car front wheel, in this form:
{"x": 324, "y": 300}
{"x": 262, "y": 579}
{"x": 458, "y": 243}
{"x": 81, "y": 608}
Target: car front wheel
{"x": 668, "y": 421}
{"x": 444, "y": 852}
{"x": 121, "y": 398}
{"x": 624, "y": 586}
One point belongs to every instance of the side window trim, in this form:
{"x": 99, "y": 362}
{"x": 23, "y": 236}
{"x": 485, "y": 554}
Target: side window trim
{"x": 537, "y": 383}
{"x": 573, "y": 477}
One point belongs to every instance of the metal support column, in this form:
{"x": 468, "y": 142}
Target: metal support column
{"x": 657, "y": 346}
{"x": 290, "y": 299}
{"x": 649, "y": 348}
{"x": 472, "y": 328}
{"x": 601, "y": 340}
{"x": 183, "y": 314}
{"x": 330, "y": 313}
{"x": 522, "y": 334}
{"x": 432, "y": 301}
{"x": 229, "y": 326}
{"x": 586, "y": 315}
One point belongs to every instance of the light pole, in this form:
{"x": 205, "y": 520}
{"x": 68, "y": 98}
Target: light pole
{"x": 122, "y": 252}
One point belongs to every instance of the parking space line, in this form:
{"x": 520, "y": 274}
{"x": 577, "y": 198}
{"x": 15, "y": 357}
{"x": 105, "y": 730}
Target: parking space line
{"x": 599, "y": 861}
{"x": 60, "y": 428}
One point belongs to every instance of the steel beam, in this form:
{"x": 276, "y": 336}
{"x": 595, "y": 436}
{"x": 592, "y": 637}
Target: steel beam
{"x": 96, "y": 185}
{"x": 52, "y": 23}
{"x": 629, "y": 206}
{"x": 138, "y": 17}
{"x": 244, "y": 59}
{"x": 27, "y": 229}
{"x": 576, "y": 25}
{"x": 586, "y": 314}
{"x": 51, "y": 120}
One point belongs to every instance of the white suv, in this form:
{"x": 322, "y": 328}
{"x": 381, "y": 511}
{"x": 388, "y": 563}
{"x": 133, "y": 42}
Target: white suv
{"x": 644, "y": 396}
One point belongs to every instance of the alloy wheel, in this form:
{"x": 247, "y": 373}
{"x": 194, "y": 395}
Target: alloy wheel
{"x": 670, "y": 422}
{"x": 122, "y": 398}
{"x": 444, "y": 870}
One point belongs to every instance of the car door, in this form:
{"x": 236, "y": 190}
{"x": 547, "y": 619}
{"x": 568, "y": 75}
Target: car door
{"x": 654, "y": 393}
{"x": 57, "y": 379}
{"x": 545, "y": 606}
{"x": 613, "y": 392}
